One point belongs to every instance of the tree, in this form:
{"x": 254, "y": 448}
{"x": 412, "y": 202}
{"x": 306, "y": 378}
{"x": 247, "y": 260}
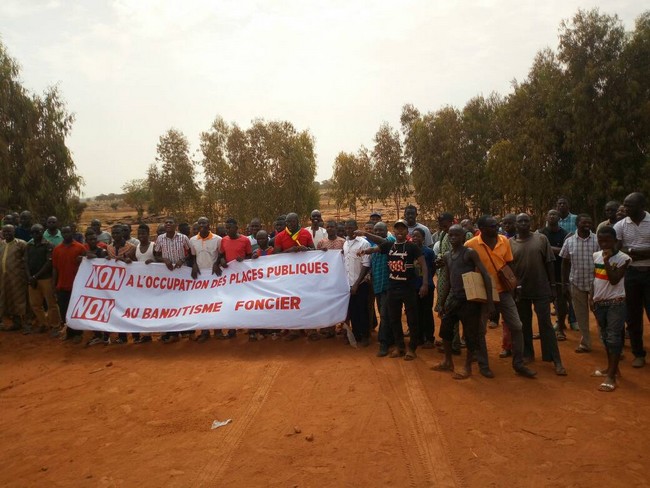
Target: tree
{"x": 347, "y": 182}
{"x": 264, "y": 171}
{"x": 172, "y": 185}
{"x": 36, "y": 168}
{"x": 137, "y": 195}
{"x": 390, "y": 168}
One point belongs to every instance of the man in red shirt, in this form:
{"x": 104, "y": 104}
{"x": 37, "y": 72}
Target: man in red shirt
{"x": 293, "y": 238}
{"x": 234, "y": 247}
{"x": 66, "y": 258}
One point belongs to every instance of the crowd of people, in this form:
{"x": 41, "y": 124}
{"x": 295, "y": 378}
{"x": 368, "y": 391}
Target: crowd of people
{"x": 567, "y": 268}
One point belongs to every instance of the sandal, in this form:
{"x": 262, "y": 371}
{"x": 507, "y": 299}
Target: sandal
{"x": 409, "y": 356}
{"x": 600, "y": 373}
{"x": 582, "y": 350}
{"x": 460, "y": 375}
{"x": 560, "y": 336}
{"x": 607, "y": 387}
{"x": 442, "y": 367}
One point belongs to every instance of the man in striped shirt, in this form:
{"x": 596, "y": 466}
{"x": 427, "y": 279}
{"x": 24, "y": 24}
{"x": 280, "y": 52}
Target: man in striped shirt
{"x": 577, "y": 255}
{"x": 634, "y": 234}
{"x": 172, "y": 249}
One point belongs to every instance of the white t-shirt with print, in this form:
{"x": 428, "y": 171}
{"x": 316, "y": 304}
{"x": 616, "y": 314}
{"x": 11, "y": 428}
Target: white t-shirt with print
{"x": 603, "y": 289}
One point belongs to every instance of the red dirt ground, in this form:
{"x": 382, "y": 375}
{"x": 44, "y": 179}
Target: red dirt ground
{"x": 140, "y": 415}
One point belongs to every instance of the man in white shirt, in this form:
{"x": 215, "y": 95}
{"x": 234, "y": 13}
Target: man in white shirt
{"x": 205, "y": 247}
{"x": 410, "y": 215}
{"x": 633, "y": 232}
{"x": 357, "y": 267}
{"x": 318, "y": 233}
{"x": 254, "y": 227}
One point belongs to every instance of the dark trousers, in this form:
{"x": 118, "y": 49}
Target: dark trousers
{"x": 358, "y": 312}
{"x": 406, "y": 297}
{"x": 425, "y": 317}
{"x": 550, "y": 351}
{"x": 385, "y": 334}
{"x": 561, "y": 306}
{"x": 372, "y": 316}
{"x": 637, "y": 297}
{"x": 123, "y": 336}
{"x": 63, "y": 299}
{"x": 469, "y": 314}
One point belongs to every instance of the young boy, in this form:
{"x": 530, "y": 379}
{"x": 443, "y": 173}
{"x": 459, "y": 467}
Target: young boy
{"x": 263, "y": 247}
{"x": 609, "y": 302}
{"x": 456, "y": 307}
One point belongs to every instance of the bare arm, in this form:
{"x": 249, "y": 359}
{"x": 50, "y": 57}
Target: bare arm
{"x": 487, "y": 280}
{"x": 614, "y": 275}
{"x": 371, "y": 237}
{"x": 424, "y": 289}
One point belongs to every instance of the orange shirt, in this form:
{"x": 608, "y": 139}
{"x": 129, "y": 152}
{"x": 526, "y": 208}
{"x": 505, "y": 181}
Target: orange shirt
{"x": 501, "y": 255}
{"x": 64, "y": 260}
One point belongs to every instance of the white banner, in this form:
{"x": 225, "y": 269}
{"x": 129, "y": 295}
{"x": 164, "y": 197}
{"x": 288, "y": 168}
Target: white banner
{"x": 288, "y": 291}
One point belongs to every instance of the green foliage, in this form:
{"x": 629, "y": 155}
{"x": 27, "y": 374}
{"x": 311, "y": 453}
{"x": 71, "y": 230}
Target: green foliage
{"x": 137, "y": 195}
{"x": 579, "y": 125}
{"x": 172, "y": 184}
{"x": 349, "y": 179}
{"x": 36, "y": 168}
{"x": 389, "y": 178}
{"x": 263, "y": 171}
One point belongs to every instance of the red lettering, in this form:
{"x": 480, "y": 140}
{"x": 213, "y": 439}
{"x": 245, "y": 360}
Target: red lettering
{"x": 94, "y": 309}
{"x": 103, "y": 277}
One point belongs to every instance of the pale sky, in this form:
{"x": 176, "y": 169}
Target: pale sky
{"x": 131, "y": 69}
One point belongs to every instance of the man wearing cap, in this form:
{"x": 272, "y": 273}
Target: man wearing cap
{"x": 403, "y": 279}
{"x": 375, "y": 217}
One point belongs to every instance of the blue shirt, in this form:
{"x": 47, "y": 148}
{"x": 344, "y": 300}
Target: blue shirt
{"x": 379, "y": 269}
{"x": 568, "y": 223}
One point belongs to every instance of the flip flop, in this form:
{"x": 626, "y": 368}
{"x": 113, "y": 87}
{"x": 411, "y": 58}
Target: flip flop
{"x": 607, "y": 387}
{"x": 442, "y": 367}
{"x": 599, "y": 373}
{"x": 460, "y": 376}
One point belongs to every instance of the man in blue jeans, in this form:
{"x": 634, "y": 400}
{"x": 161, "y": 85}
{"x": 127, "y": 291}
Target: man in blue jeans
{"x": 633, "y": 233}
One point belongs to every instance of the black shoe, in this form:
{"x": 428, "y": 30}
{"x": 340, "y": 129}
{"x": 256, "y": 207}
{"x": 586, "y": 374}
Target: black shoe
{"x": 525, "y": 371}
{"x": 487, "y": 372}
{"x": 383, "y": 351}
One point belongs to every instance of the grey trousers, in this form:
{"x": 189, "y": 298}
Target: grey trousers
{"x": 507, "y": 307}
{"x": 580, "y": 300}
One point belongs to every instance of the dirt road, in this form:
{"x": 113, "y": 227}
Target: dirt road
{"x": 140, "y": 415}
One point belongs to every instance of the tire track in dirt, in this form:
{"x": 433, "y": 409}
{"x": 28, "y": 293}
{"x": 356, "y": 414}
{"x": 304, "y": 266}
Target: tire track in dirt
{"x": 431, "y": 442}
{"x": 384, "y": 378}
{"x": 417, "y": 428}
{"x": 235, "y": 431}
